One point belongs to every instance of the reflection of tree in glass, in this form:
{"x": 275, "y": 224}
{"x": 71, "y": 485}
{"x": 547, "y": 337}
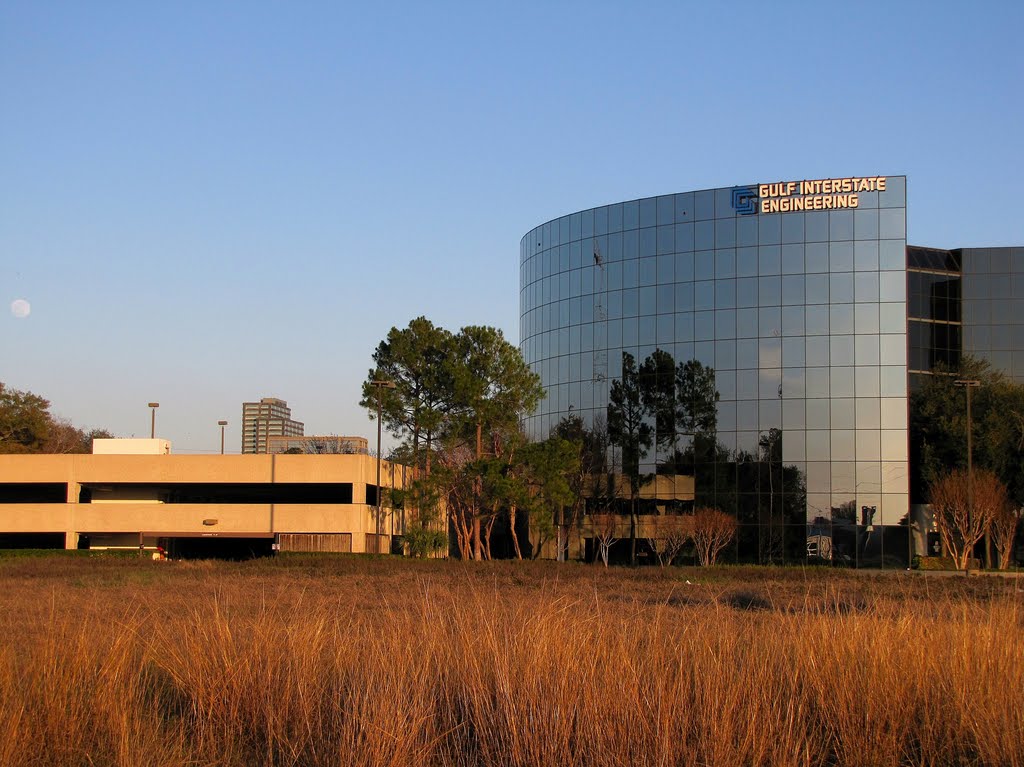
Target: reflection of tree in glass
{"x": 845, "y": 512}
{"x": 697, "y": 398}
{"x": 629, "y": 431}
{"x": 658, "y": 393}
{"x": 770, "y": 446}
{"x": 675, "y": 407}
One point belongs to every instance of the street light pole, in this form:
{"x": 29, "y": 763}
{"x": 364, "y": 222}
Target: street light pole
{"x": 379, "y": 385}
{"x": 222, "y": 424}
{"x": 969, "y": 383}
{"x": 152, "y": 421}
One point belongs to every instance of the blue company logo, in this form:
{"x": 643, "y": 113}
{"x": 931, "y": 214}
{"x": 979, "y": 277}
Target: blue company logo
{"x": 744, "y": 200}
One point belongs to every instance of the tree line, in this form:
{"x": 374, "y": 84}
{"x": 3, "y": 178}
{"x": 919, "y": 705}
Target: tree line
{"x": 456, "y": 400}
{"x": 27, "y": 426}
{"x": 985, "y": 505}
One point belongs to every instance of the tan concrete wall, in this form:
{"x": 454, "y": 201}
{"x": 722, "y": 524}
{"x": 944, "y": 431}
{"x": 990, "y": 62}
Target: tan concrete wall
{"x": 114, "y": 469}
{"x": 141, "y": 514}
{"x": 121, "y": 446}
{"x": 36, "y": 517}
{"x": 187, "y": 518}
{"x": 324, "y": 518}
{"x": 235, "y": 518}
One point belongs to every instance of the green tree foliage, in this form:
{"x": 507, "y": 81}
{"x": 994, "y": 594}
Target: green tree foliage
{"x": 417, "y": 360}
{"x": 27, "y": 426}
{"x": 24, "y": 421}
{"x": 463, "y": 394}
{"x": 592, "y": 485}
{"x": 550, "y": 471}
{"x": 493, "y": 386}
{"x": 938, "y": 427}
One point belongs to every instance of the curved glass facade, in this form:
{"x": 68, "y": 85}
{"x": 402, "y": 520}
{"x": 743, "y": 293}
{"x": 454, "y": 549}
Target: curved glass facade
{"x": 737, "y": 357}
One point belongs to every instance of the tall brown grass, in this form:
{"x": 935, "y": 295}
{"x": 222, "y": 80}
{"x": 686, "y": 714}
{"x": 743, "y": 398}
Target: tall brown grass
{"x": 395, "y": 663}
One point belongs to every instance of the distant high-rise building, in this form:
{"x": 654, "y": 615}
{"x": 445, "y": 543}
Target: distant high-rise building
{"x": 270, "y": 417}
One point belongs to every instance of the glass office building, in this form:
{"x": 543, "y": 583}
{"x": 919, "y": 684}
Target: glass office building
{"x": 743, "y": 348}
{"x": 965, "y": 301}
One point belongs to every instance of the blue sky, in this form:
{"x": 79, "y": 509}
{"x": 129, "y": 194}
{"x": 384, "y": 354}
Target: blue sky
{"x": 206, "y": 203}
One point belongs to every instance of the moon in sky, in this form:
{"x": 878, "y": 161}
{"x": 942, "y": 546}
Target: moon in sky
{"x": 20, "y": 308}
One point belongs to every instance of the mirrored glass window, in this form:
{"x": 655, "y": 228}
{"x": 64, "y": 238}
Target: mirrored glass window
{"x": 840, "y": 256}
{"x": 793, "y": 289}
{"x": 704, "y": 265}
{"x": 648, "y": 212}
{"x": 704, "y": 205}
{"x": 725, "y": 263}
{"x": 866, "y": 350}
{"x": 866, "y": 287}
{"x": 816, "y": 257}
{"x": 769, "y": 230}
{"x": 725, "y": 294}
{"x": 841, "y": 381}
{"x": 817, "y": 320}
{"x": 746, "y": 323}
{"x": 841, "y": 225}
{"x": 865, "y": 256}
{"x": 769, "y": 292}
{"x": 704, "y": 294}
{"x": 704, "y": 235}
{"x": 892, "y": 318}
{"x": 892, "y": 223}
{"x": 865, "y": 224}
{"x": 842, "y": 350}
{"x": 792, "y": 320}
{"x": 793, "y": 259}
{"x": 704, "y": 326}
{"x": 840, "y": 319}
{"x": 746, "y": 231}
{"x": 769, "y": 260}
{"x": 867, "y": 381}
{"x": 793, "y": 352}
{"x": 648, "y": 241}
{"x": 818, "y": 382}
{"x": 816, "y": 226}
{"x": 725, "y": 233}
{"x": 844, "y": 446}
{"x": 725, "y": 324}
{"x": 666, "y": 239}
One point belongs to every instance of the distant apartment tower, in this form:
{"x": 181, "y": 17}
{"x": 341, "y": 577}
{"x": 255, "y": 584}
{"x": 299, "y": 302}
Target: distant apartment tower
{"x": 270, "y": 417}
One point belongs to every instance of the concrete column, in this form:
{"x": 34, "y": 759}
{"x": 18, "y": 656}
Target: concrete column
{"x": 71, "y": 537}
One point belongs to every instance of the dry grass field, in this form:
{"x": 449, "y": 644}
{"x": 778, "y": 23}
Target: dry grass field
{"x": 303, "y": 661}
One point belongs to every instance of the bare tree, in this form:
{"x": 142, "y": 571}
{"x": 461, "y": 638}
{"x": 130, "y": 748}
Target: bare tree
{"x": 670, "y": 535}
{"x": 1004, "y": 532}
{"x": 964, "y": 507}
{"x": 712, "y": 531}
{"x": 452, "y": 482}
{"x": 605, "y": 533}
